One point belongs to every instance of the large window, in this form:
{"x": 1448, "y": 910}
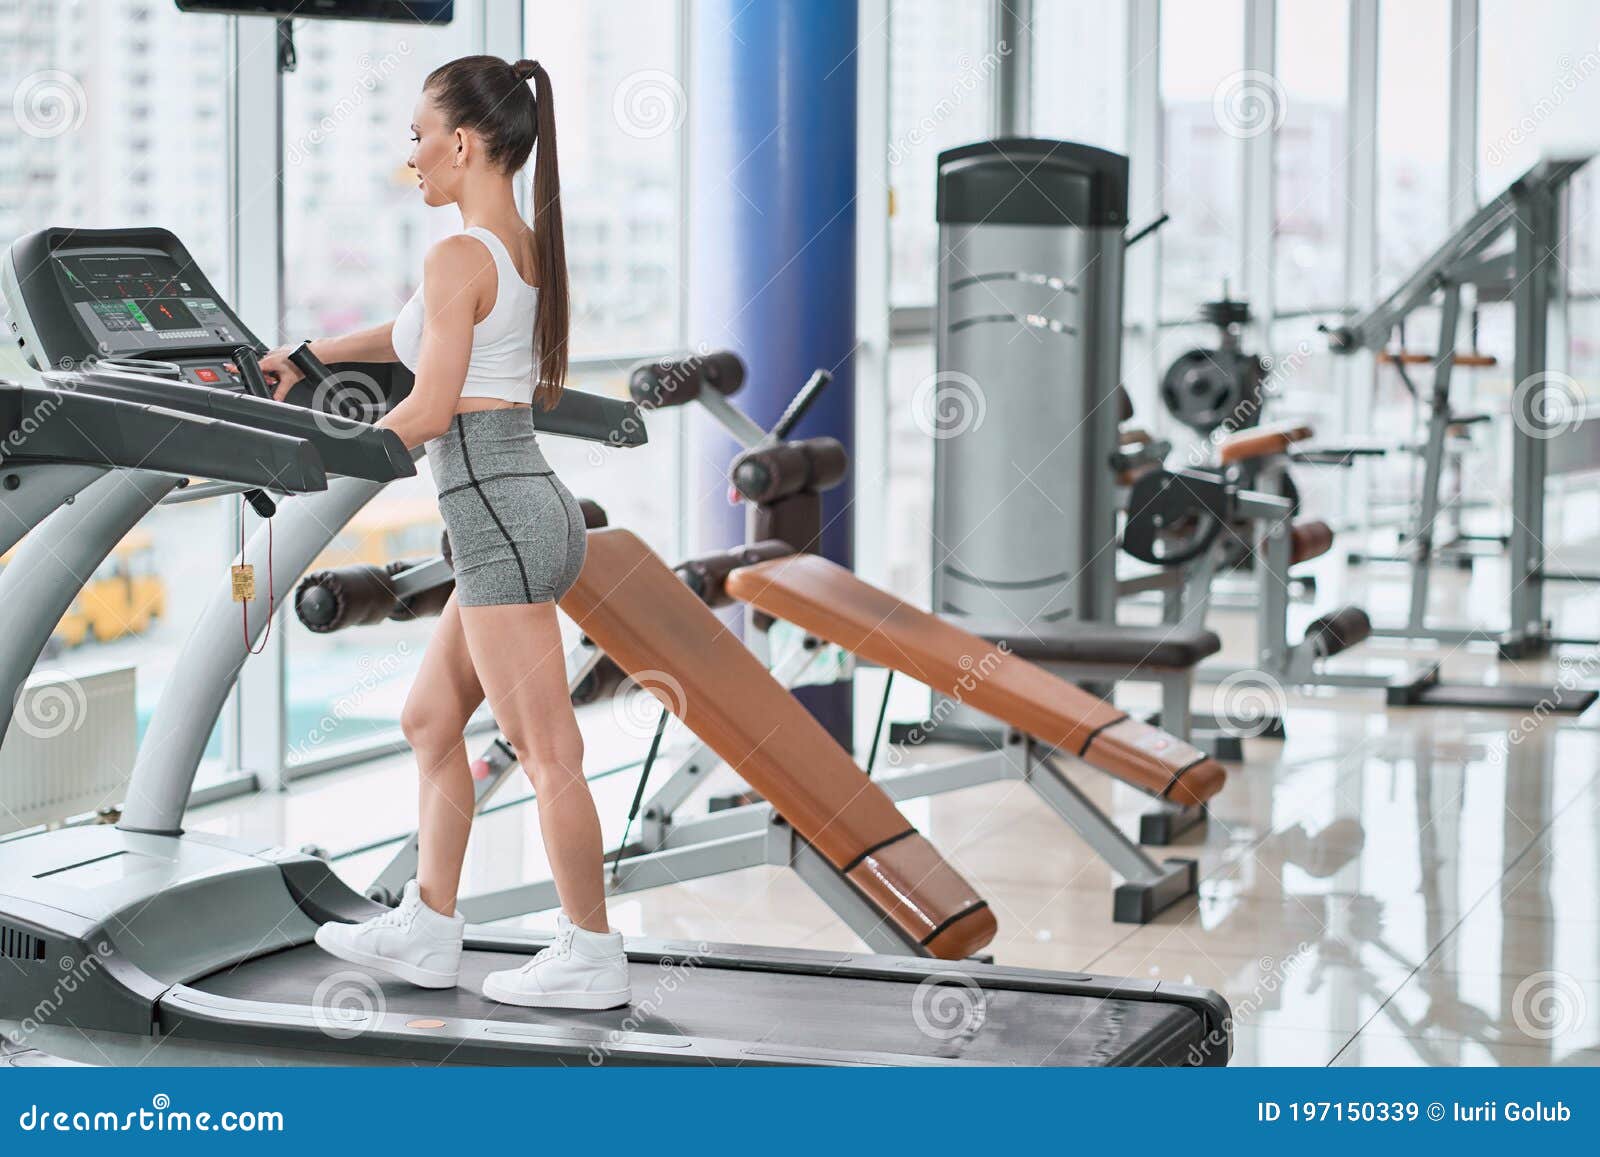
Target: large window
{"x": 1080, "y": 74}
{"x": 1311, "y": 155}
{"x": 621, "y": 106}
{"x": 1413, "y": 134}
{"x": 102, "y": 131}
{"x": 1209, "y": 106}
{"x": 942, "y": 61}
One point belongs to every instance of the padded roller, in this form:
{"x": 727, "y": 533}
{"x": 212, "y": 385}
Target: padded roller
{"x": 1309, "y": 540}
{"x": 766, "y": 474}
{"x": 657, "y": 385}
{"x": 1124, "y": 403}
{"x": 347, "y": 596}
{"x": 1338, "y": 631}
{"x": 707, "y": 577}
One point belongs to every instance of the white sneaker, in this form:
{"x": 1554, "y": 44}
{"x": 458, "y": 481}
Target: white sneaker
{"x": 412, "y": 942}
{"x": 582, "y": 969}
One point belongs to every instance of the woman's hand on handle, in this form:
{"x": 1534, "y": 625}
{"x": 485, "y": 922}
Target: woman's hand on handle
{"x": 282, "y": 374}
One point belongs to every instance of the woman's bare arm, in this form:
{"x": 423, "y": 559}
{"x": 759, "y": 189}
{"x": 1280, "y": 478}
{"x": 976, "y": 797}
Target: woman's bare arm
{"x": 453, "y": 284}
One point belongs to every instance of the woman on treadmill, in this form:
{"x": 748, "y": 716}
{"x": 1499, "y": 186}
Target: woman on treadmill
{"x": 486, "y": 336}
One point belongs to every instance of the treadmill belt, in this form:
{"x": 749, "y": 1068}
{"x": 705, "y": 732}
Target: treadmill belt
{"x": 775, "y": 1008}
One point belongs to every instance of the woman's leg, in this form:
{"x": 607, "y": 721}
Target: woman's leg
{"x": 442, "y": 699}
{"x": 517, "y": 653}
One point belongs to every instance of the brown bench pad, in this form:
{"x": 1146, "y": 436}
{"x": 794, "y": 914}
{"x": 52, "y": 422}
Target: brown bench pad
{"x": 635, "y": 609}
{"x": 828, "y": 601}
{"x": 1261, "y": 442}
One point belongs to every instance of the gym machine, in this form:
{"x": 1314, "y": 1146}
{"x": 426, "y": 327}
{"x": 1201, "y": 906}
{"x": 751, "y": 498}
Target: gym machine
{"x": 1523, "y": 272}
{"x": 1029, "y": 457}
{"x": 194, "y": 949}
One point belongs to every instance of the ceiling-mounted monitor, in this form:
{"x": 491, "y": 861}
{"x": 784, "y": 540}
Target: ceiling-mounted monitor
{"x": 395, "y": 11}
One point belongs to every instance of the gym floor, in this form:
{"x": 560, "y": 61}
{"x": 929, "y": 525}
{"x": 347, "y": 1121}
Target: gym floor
{"x": 1403, "y": 887}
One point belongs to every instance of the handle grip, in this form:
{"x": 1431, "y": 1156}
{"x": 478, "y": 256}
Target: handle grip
{"x": 249, "y": 363}
{"x": 310, "y": 365}
{"x": 798, "y": 405}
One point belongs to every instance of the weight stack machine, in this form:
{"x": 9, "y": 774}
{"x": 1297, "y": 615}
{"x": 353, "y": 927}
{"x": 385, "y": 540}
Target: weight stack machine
{"x": 1024, "y": 403}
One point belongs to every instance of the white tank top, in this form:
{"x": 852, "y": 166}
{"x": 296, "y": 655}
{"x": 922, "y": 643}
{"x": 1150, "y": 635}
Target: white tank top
{"x": 502, "y": 363}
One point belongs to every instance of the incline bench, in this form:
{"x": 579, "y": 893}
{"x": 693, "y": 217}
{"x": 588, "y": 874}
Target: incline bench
{"x": 1052, "y": 717}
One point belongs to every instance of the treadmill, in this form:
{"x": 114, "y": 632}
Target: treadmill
{"x": 189, "y": 948}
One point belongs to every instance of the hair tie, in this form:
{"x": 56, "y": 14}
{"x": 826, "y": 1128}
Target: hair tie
{"x": 525, "y": 69}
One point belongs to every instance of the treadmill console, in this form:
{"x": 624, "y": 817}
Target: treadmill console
{"x": 115, "y": 295}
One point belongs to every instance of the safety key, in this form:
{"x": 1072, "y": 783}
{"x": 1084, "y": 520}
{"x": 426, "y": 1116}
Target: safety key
{"x": 244, "y": 583}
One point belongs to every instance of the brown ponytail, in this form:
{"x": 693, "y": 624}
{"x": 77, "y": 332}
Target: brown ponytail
{"x": 492, "y": 97}
{"x": 550, "y": 325}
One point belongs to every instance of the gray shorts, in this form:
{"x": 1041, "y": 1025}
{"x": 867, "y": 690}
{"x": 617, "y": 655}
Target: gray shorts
{"x": 516, "y": 533}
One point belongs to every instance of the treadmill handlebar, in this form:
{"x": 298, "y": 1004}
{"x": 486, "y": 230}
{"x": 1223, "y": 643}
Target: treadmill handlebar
{"x": 347, "y": 446}
{"x": 49, "y": 425}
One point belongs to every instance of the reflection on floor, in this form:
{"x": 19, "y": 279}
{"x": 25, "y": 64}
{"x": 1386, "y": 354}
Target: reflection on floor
{"x": 1383, "y": 888}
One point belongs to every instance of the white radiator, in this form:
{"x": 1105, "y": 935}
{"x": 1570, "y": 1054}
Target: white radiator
{"x": 70, "y": 747}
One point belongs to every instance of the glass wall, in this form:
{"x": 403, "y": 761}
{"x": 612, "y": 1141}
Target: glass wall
{"x": 621, "y": 106}
{"x": 1311, "y": 176}
{"x": 1209, "y": 107}
{"x": 1413, "y": 134}
{"x": 942, "y": 61}
{"x": 1080, "y": 74}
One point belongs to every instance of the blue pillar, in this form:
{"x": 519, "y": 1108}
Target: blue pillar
{"x": 773, "y": 235}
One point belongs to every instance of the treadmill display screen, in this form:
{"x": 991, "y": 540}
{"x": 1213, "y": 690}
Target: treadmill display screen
{"x": 141, "y": 301}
